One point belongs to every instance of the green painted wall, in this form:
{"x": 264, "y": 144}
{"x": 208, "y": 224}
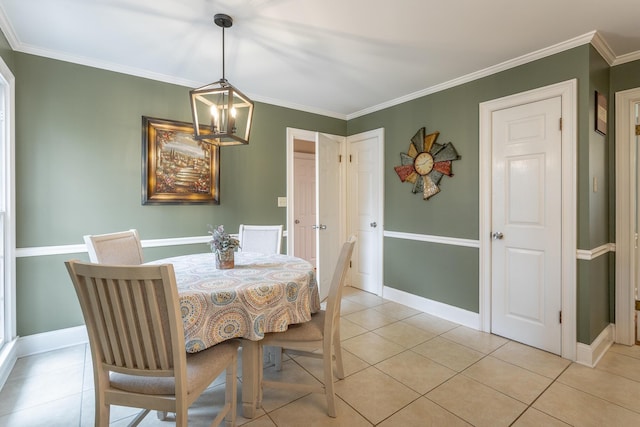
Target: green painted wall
{"x": 594, "y": 279}
{"x": 439, "y": 272}
{"x": 78, "y": 171}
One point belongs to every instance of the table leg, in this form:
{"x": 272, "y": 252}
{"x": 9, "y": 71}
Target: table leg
{"x": 250, "y": 386}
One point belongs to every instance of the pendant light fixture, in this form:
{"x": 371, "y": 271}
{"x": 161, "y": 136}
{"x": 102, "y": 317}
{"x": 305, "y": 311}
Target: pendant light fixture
{"x": 226, "y": 112}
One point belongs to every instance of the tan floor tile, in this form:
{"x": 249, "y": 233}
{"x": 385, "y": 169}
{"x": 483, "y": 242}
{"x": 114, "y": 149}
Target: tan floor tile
{"x": 578, "y": 408}
{"x": 65, "y": 412}
{"x": 263, "y": 421}
{"x": 406, "y": 335}
{"x": 534, "y": 418}
{"x": 365, "y": 298}
{"x": 370, "y": 319}
{"x": 631, "y": 351}
{"x": 476, "y": 403}
{"x": 291, "y": 372}
{"x": 423, "y": 412}
{"x": 350, "y": 290}
{"x": 350, "y": 363}
{"x": 374, "y": 394}
{"x": 620, "y": 364}
{"x": 509, "y": 379}
{"x": 348, "y": 329}
{"x": 372, "y": 348}
{"x": 477, "y": 340}
{"x": 347, "y": 307}
{"x": 311, "y": 411}
{"x": 538, "y": 361}
{"x": 51, "y": 361}
{"x": 35, "y": 390}
{"x": 416, "y": 371}
{"x": 613, "y": 388}
{"x": 449, "y": 354}
{"x": 397, "y": 311}
{"x": 430, "y": 323}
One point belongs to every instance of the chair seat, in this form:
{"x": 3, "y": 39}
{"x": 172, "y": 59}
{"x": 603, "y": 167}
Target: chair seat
{"x": 307, "y": 331}
{"x": 199, "y": 368}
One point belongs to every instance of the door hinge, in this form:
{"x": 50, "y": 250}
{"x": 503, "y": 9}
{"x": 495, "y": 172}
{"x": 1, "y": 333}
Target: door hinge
{"x": 350, "y": 158}
{"x": 637, "y": 130}
{"x": 560, "y": 317}
{"x": 339, "y": 158}
{"x": 560, "y": 123}
{"x": 349, "y": 264}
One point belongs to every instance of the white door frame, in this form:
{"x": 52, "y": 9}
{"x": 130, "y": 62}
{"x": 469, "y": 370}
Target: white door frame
{"x": 568, "y": 93}
{"x": 626, "y": 195}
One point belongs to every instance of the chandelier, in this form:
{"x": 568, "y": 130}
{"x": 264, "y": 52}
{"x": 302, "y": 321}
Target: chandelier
{"x": 225, "y": 111}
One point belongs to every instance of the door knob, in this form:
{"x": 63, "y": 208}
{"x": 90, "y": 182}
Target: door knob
{"x": 297, "y": 221}
{"x": 496, "y": 235}
{"x": 374, "y": 224}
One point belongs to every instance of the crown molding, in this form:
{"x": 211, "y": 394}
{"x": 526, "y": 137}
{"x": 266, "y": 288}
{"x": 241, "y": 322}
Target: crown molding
{"x": 506, "y": 65}
{"x": 603, "y": 48}
{"x": 629, "y": 57}
{"x": 593, "y": 37}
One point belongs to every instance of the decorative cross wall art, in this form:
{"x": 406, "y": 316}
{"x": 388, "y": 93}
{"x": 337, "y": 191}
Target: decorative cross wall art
{"x": 426, "y": 162}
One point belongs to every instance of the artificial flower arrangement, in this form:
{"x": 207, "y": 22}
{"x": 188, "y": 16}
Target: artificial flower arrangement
{"x": 221, "y": 241}
{"x": 222, "y": 245}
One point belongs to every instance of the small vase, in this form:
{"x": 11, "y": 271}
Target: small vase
{"x": 224, "y": 259}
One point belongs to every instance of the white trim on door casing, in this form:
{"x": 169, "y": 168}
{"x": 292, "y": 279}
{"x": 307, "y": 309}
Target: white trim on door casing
{"x": 625, "y": 215}
{"x": 568, "y": 93}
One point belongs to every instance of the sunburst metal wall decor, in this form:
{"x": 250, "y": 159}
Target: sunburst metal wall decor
{"x": 426, "y": 162}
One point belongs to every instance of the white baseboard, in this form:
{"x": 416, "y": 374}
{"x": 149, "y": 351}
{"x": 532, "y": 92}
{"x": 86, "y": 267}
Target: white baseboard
{"x": 445, "y": 311}
{"x": 54, "y": 340}
{"x": 8, "y": 357}
{"x": 590, "y": 355}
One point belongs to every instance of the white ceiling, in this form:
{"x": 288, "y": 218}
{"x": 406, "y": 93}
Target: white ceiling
{"x": 336, "y": 57}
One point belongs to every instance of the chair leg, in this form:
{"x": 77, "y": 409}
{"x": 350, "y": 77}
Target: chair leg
{"x": 102, "y": 414}
{"x": 231, "y": 392}
{"x": 277, "y": 357}
{"x": 328, "y": 383}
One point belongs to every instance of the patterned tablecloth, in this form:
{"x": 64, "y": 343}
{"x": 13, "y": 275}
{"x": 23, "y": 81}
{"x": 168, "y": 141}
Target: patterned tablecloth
{"x": 262, "y": 293}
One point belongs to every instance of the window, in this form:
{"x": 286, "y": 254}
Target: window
{"x": 7, "y": 223}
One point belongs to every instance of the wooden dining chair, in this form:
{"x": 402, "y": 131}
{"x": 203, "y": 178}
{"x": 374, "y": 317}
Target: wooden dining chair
{"x": 121, "y": 248}
{"x": 266, "y": 239}
{"x": 322, "y": 331}
{"x": 137, "y": 343}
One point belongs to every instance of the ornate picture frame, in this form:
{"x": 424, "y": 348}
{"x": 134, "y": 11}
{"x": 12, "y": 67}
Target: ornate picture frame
{"x": 177, "y": 169}
{"x": 601, "y": 113}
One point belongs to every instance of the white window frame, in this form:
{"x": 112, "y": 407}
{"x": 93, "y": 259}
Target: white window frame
{"x": 8, "y": 351}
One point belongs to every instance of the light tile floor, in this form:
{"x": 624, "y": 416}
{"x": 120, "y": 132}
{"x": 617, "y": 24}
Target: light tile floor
{"x": 403, "y": 368}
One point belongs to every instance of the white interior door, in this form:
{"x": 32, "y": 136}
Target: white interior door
{"x": 329, "y": 206}
{"x": 364, "y": 208}
{"x": 304, "y": 210}
{"x": 526, "y": 267}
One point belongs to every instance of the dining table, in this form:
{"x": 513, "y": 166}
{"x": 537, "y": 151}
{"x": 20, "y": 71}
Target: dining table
{"x": 262, "y": 293}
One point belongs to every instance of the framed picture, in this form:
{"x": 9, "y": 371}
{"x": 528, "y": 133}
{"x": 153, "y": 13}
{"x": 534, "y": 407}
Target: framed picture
{"x": 601, "y": 113}
{"x": 177, "y": 169}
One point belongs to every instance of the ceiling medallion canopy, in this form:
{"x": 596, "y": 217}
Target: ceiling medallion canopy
{"x": 226, "y": 111}
{"x": 426, "y": 162}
